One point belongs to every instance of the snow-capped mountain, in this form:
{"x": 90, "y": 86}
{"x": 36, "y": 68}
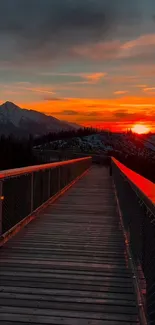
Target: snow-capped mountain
{"x": 22, "y": 122}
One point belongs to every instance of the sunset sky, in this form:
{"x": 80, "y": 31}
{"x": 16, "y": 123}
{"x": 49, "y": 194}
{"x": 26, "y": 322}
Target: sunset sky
{"x": 87, "y": 61}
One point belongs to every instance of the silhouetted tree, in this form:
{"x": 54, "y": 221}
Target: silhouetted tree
{"x": 16, "y": 153}
{"x": 64, "y": 135}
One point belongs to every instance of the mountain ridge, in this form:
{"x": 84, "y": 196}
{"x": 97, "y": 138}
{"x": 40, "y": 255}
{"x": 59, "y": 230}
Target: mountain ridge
{"x": 23, "y": 122}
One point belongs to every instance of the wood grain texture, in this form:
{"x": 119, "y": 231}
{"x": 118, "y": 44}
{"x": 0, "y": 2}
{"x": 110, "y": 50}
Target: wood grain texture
{"x": 69, "y": 265}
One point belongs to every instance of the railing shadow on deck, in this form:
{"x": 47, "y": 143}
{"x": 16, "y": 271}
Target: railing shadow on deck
{"x": 136, "y": 196}
{"x": 24, "y": 190}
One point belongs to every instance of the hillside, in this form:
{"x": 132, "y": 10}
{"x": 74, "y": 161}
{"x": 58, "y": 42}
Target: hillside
{"x": 124, "y": 144}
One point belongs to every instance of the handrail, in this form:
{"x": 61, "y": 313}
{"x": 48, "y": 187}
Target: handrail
{"x": 145, "y": 186}
{"x": 31, "y": 169}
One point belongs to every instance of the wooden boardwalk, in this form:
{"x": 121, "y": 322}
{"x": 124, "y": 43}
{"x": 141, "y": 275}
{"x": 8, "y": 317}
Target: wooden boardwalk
{"x": 69, "y": 265}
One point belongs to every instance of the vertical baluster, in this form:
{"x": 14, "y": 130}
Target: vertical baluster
{"x": 32, "y": 190}
{"x": 1, "y": 205}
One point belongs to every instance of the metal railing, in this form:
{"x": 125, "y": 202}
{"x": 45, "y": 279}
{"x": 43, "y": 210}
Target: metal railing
{"x": 136, "y": 197}
{"x": 50, "y": 155}
{"x": 24, "y": 190}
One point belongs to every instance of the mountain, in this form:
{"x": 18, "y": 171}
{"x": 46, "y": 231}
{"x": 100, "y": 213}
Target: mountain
{"x": 22, "y": 122}
{"x": 74, "y": 126}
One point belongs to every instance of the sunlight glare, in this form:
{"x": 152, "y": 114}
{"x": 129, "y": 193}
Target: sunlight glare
{"x": 140, "y": 129}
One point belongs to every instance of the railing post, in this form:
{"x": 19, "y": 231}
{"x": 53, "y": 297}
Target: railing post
{"x": 32, "y": 190}
{"x": 59, "y": 175}
{"x": 49, "y": 183}
{"x": 1, "y": 203}
{"x": 110, "y": 168}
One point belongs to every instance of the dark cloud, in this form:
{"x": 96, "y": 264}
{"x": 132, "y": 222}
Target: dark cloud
{"x": 66, "y": 112}
{"x": 94, "y": 114}
{"x": 121, "y": 114}
{"x": 69, "y": 112}
{"x": 91, "y": 106}
{"x": 124, "y": 115}
{"x": 97, "y": 106}
{"x": 117, "y": 116}
{"x": 50, "y": 27}
{"x": 54, "y": 99}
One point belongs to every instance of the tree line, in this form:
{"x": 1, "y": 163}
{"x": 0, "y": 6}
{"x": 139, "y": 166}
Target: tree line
{"x": 15, "y": 153}
{"x": 62, "y": 135}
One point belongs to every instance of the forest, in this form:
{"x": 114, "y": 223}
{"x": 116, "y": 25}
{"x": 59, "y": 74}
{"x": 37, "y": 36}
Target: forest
{"x": 15, "y": 153}
{"x": 64, "y": 135}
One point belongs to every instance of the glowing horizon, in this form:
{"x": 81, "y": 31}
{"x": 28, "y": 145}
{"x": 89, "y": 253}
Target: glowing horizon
{"x": 116, "y": 115}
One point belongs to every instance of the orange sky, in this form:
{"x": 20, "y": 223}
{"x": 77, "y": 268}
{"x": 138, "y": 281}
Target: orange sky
{"x": 91, "y": 62}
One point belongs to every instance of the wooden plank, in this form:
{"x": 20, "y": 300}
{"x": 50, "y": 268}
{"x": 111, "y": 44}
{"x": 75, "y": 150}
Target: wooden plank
{"x": 69, "y": 293}
{"x": 111, "y": 284}
{"x": 32, "y": 268}
{"x": 98, "y": 306}
{"x": 71, "y": 286}
{"x": 69, "y": 264}
{"x": 65, "y": 299}
{"x": 98, "y": 260}
{"x": 71, "y": 277}
{"x": 83, "y": 251}
{"x": 67, "y": 313}
{"x": 42, "y": 320}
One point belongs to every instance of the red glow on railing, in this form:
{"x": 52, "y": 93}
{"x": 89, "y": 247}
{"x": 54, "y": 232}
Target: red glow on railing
{"x": 36, "y": 168}
{"x": 143, "y": 184}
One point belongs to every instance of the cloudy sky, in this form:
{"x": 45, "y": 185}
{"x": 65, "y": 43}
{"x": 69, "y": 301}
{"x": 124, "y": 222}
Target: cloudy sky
{"x": 87, "y": 61}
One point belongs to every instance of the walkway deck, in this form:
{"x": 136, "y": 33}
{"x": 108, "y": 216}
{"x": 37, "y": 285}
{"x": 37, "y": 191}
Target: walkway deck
{"x": 69, "y": 265}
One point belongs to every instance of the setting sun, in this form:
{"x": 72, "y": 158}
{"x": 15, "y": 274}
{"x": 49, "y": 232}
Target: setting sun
{"x": 140, "y": 129}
